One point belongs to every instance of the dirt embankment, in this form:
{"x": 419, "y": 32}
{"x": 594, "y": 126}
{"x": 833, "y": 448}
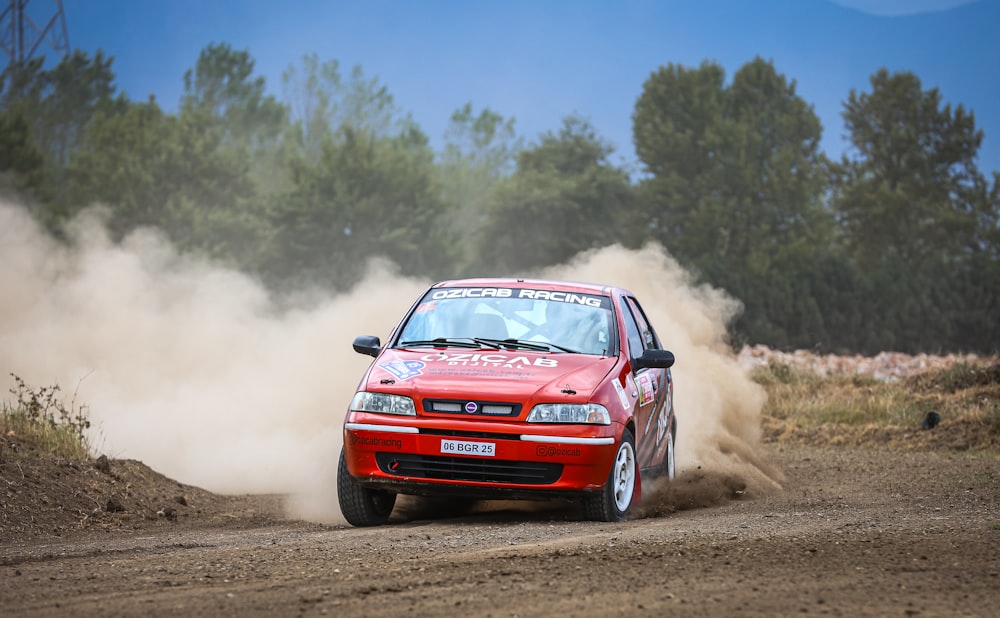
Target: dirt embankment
{"x": 47, "y": 498}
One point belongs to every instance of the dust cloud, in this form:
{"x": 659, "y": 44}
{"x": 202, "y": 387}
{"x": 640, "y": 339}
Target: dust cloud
{"x": 189, "y": 367}
{"x": 197, "y": 371}
{"x": 717, "y": 405}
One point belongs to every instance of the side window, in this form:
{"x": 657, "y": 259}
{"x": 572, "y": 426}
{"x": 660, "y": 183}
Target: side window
{"x": 635, "y": 346}
{"x": 649, "y": 339}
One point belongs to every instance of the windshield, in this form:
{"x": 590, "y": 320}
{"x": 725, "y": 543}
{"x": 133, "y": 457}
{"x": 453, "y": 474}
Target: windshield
{"x": 554, "y": 320}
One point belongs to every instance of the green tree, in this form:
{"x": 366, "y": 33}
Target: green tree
{"x": 80, "y": 87}
{"x": 20, "y": 161}
{"x": 735, "y": 176}
{"x": 313, "y": 91}
{"x": 363, "y": 184}
{"x": 223, "y": 92}
{"x": 564, "y": 197}
{"x": 222, "y": 83}
{"x": 56, "y": 106}
{"x": 919, "y": 220}
{"x": 734, "y": 188}
{"x": 776, "y": 172}
{"x": 154, "y": 169}
{"x": 364, "y": 197}
{"x": 911, "y": 187}
{"x": 322, "y": 102}
{"x": 122, "y": 163}
{"x": 485, "y": 141}
{"x": 480, "y": 150}
{"x": 678, "y": 129}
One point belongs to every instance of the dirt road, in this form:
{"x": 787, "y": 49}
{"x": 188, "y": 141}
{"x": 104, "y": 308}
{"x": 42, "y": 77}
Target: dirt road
{"x": 853, "y": 532}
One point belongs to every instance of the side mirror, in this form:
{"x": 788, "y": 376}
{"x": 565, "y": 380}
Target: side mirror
{"x": 367, "y": 344}
{"x": 660, "y": 359}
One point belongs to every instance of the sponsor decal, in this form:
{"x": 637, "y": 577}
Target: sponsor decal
{"x": 404, "y": 370}
{"x": 479, "y": 372}
{"x": 562, "y": 297}
{"x": 553, "y": 295}
{"x": 620, "y": 389}
{"x": 469, "y": 359}
{"x": 395, "y": 443}
{"x": 646, "y": 390}
{"x": 543, "y": 450}
{"x": 661, "y": 428}
{"x": 426, "y": 307}
{"x": 472, "y": 293}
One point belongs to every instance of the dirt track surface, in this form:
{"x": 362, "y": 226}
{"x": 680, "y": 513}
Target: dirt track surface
{"x": 854, "y": 531}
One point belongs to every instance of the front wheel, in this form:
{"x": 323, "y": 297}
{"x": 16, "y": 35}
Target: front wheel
{"x": 361, "y": 506}
{"x": 612, "y": 503}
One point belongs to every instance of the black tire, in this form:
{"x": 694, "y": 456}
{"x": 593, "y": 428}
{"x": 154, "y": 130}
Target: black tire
{"x": 613, "y": 501}
{"x": 361, "y": 506}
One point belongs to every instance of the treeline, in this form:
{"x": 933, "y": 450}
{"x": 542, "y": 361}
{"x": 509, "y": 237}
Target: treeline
{"x": 893, "y": 247}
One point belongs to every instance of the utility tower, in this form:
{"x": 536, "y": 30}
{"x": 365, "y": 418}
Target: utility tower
{"x": 24, "y": 31}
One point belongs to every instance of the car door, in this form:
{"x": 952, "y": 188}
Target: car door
{"x": 652, "y": 415}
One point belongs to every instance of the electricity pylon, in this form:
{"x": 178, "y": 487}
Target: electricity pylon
{"x": 21, "y": 36}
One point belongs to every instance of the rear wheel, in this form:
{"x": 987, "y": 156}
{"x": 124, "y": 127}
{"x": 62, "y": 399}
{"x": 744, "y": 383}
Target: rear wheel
{"x": 670, "y": 463}
{"x": 612, "y": 503}
{"x": 361, "y": 506}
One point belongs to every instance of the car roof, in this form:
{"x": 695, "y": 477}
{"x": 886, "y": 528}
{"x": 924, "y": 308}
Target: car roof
{"x": 539, "y": 284}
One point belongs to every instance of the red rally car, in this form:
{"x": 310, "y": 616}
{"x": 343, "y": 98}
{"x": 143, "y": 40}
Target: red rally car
{"x": 511, "y": 388}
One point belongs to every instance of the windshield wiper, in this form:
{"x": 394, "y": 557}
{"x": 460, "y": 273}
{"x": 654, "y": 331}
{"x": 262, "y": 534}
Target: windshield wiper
{"x": 538, "y": 346}
{"x": 562, "y": 348}
{"x": 484, "y": 342}
{"x": 441, "y": 342}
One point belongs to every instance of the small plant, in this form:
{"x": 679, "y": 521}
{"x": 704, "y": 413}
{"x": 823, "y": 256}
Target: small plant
{"x": 40, "y": 418}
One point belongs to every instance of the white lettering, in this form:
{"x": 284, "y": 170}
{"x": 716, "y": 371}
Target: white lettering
{"x": 562, "y": 297}
{"x": 472, "y": 293}
{"x": 488, "y": 360}
{"x": 482, "y": 449}
{"x": 552, "y": 295}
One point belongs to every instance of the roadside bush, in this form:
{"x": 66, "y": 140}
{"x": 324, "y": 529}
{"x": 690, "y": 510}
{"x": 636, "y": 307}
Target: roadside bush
{"x": 39, "y": 419}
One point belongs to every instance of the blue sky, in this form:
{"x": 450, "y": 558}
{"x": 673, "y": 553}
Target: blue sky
{"x": 539, "y": 61}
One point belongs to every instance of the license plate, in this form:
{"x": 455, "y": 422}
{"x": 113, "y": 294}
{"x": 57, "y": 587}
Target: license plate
{"x": 463, "y": 447}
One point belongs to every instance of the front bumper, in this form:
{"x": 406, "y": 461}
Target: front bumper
{"x": 477, "y": 459}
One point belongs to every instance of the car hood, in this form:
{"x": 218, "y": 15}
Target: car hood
{"x": 489, "y": 374}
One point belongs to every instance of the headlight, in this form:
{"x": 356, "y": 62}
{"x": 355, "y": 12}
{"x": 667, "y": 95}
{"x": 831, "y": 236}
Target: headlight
{"x": 590, "y": 413}
{"x": 383, "y": 403}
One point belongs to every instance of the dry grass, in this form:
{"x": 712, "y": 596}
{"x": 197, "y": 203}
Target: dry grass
{"x": 803, "y": 406}
{"x": 39, "y": 421}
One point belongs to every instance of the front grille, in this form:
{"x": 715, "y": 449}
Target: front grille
{"x": 467, "y": 407}
{"x": 468, "y": 469}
